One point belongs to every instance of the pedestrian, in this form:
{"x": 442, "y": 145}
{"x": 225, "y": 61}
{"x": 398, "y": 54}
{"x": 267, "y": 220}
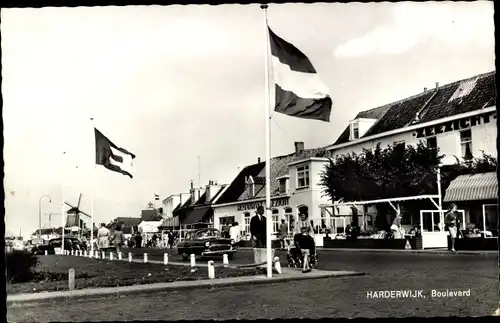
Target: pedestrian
{"x": 234, "y": 233}
{"x": 452, "y": 222}
{"x": 170, "y": 239}
{"x": 118, "y": 239}
{"x": 283, "y": 233}
{"x": 258, "y": 228}
{"x": 154, "y": 240}
{"x": 303, "y": 239}
{"x": 138, "y": 240}
{"x": 103, "y": 236}
{"x": 225, "y": 230}
{"x": 396, "y": 227}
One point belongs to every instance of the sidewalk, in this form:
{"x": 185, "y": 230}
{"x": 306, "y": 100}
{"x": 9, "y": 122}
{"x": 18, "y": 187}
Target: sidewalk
{"x": 288, "y": 274}
{"x": 425, "y": 251}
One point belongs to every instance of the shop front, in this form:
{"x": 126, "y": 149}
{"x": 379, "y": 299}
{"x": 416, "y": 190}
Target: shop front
{"x": 477, "y": 196}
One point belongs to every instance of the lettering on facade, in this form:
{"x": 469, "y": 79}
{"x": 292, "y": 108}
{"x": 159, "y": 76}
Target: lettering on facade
{"x": 284, "y": 201}
{"x": 455, "y": 125}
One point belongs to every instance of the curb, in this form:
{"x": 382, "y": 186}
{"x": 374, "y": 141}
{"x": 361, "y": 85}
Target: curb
{"x": 181, "y": 285}
{"x": 431, "y": 252}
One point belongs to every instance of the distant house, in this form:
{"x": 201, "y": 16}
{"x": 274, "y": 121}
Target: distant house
{"x": 128, "y": 224}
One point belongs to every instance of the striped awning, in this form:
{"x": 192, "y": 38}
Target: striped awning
{"x": 473, "y": 188}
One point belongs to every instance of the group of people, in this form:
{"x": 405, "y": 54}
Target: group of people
{"x": 302, "y": 234}
{"x": 106, "y": 238}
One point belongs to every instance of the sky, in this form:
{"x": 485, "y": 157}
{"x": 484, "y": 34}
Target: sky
{"x": 171, "y": 83}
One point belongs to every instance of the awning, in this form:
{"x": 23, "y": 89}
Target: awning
{"x": 196, "y": 215}
{"x": 473, "y": 188}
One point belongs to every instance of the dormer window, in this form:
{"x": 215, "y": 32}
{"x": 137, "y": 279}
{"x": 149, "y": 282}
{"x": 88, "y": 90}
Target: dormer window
{"x": 354, "y": 130}
{"x": 283, "y": 184}
{"x": 251, "y": 186}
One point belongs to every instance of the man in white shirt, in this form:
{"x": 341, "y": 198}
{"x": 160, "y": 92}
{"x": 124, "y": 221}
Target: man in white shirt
{"x": 234, "y": 232}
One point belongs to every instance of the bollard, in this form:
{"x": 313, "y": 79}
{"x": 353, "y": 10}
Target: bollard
{"x": 211, "y": 269}
{"x": 71, "y": 279}
{"x": 110, "y": 256}
{"x": 46, "y": 252}
{"x": 85, "y": 253}
{"x": 103, "y": 254}
{"x": 165, "y": 258}
{"x": 72, "y": 252}
{"x": 225, "y": 260}
{"x": 81, "y": 253}
{"x": 277, "y": 264}
{"x": 193, "y": 260}
{"x": 120, "y": 255}
{"x": 145, "y": 257}
{"x": 129, "y": 257}
{"x": 96, "y": 254}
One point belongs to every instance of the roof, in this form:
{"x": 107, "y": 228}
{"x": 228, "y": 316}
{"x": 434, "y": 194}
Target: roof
{"x": 237, "y": 190}
{"x": 203, "y": 199}
{"x": 128, "y": 221}
{"x": 475, "y": 187}
{"x": 459, "y": 97}
{"x": 150, "y": 215}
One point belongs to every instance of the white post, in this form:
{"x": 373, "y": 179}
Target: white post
{"x": 96, "y": 254}
{"x": 484, "y": 220}
{"x": 85, "y": 253}
{"x": 225, "y": 260}
{"x": 71, "y": 279}
{"x": 193, "y": 260}
{"x": 93, "y": 193}
{"x": 267, "y": 130}
{"x": 165, "y": 258}
{"x": 72, "y": 252}
{"x": 277, "y": 264}
{"x": 46, "y": 252}
{"x": 211, "y": 269}
{"x": 129, "y": 257}
{"x": 145, "y": 257}
{"x": 120, "y": 255}
{"x": 81, "y": 253}
{"x": 63, "y": 213}
{"x": 110, "y": 256}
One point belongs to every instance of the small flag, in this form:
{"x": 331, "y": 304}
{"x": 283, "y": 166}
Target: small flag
{"x": 112, "y": 157}
{"x": 157, "y": 197}
{"x": 299, "y": 91}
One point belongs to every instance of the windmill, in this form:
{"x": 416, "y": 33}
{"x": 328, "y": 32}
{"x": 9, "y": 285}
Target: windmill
{"x": 73, "y": 219}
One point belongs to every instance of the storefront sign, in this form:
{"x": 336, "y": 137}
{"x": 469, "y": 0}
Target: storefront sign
{"x": 455, "y": 125}
{"x": 284, "y": 201}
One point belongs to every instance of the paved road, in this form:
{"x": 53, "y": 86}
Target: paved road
{"x": 332, "y": 297}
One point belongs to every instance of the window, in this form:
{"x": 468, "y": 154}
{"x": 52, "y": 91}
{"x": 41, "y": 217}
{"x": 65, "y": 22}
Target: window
{"x": 289, "y": 219}
{"x": 246, "y": 217}
{"x": 355, "y": 130}
{"x": 302, "y": 176}
{"x": 432, "y": 142}
{"x": 466, "y": 144}
{"x": 282, "y": 185}
{"x": 276, "y": 220}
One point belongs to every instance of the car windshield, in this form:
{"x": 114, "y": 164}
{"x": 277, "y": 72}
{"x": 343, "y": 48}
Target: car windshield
{"x": 208, "y": 234}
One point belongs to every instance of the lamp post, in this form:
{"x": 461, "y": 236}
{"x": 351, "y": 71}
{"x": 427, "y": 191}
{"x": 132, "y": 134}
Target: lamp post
{"x": 40, "y": 213}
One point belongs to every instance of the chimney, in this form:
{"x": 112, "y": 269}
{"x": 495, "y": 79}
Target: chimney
{"x": 425, "y": 89}
{"x": 258, "y": 160}
{"x": 299, "y": 147}
{"x": 437, "y": 86}
{"x": 192, "y": 185}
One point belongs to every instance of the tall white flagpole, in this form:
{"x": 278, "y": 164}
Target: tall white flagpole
{"x": 93, "y": 192}
{"x": 63, "y": 213}
{"x": 268, "y": 150}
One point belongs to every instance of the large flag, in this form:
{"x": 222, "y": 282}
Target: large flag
{"x": 112, "y": 157}
{"x": 299, "y": 91}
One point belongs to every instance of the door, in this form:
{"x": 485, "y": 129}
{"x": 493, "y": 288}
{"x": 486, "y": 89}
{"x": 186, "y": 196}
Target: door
{"x": 432, "y": 227}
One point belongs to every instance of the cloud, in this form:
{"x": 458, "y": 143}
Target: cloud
{"x": 456, "y": 24}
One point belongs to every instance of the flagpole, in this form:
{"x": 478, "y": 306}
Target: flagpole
{"x": 62, "y": 204}
{"x": 268, "y": 150}
{"x": 93, "y": 193}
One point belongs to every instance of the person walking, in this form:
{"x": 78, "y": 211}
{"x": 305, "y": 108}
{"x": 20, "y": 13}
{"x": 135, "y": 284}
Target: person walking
{"x": 283, "y": 233}
{"x": 138, "y": 240}
{"x": 118, "y": 239}
{"x": 258, "y": 228}
{"x": 103, "y": 236}
{"x": 303, "y": 238}
{"x": 452, "y": 222}
{"x": 396, "y": 227}
{"x": 170, "y": 238}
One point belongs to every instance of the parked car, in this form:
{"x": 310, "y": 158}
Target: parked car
{"x": 70, "y": 243}
{"x": 206, "y": 242}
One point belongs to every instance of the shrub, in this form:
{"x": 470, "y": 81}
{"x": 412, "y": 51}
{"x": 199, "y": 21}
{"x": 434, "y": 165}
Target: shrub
{"x": 20, "y": 265}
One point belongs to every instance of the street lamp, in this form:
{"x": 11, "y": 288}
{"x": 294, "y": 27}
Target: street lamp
{"x": 40, "y": 213}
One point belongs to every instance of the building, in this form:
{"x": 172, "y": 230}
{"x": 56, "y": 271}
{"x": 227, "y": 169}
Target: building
{"x": 173, "y": 202}
{"x": 294, "y": 184}
{"x": 197, "y": 210}
{"x": 458, "y": 118}
{"x": 129, "y": 224}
